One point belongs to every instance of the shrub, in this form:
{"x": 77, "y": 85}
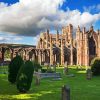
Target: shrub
{"x": 95, "y": 66}
{"x": 50, "y": 71}
{"x": 36, "y": 65}
{"x": 43, "y": 70}
{"x": 24, "y": 77}
{"x": 13, "y": 68}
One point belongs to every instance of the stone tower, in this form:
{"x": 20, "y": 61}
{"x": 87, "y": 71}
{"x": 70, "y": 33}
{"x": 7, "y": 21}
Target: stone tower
{"x": 63, "y": 47}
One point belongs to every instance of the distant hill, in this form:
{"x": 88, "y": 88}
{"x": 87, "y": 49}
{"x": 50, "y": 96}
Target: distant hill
{"x": 16, "y": 45}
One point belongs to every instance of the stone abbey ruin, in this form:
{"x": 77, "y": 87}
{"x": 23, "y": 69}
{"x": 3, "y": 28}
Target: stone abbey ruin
{"x": 60, "y": 47}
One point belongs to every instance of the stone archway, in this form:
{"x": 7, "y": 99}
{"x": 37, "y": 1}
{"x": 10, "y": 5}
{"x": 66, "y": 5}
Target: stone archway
{"x": 92, "y": 48}
{"x": 32, "y": 55}
{"x": 67, "y": 56}
{"x": 21, "y": 52}
{"x": 56, "y": 56}
{"x": 7, "y": 54}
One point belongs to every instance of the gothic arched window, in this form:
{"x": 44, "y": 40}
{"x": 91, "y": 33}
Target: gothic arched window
{"x": 92, "y": 46}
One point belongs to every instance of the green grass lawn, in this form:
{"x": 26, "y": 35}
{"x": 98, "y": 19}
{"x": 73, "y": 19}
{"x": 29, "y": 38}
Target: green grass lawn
{"x": 81, "y": 88}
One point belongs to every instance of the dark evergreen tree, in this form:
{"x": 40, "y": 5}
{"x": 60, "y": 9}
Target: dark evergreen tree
{"x": 95, "y": 66}
{"x": 25, "y": 76}
{"x": 13, "y": 68}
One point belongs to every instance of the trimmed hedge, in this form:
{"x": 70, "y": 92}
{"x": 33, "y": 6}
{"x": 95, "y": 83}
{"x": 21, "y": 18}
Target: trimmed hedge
{"x": 95, "y": 66}
{"x": 13, "y": 68}
{"x": 24, "y": 77}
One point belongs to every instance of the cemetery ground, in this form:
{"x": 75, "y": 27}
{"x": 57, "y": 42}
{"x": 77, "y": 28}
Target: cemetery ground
{"x": 80, "y": 87}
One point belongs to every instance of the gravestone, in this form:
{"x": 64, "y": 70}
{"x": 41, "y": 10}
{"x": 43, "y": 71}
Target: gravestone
{"x": 37, "y": 79}
{"x": 54, "y": 68}
{"x": 88, "y": 74}
{"x": 58, "y": 65}
{"x": 65, "y": 93}
{"x": 65, "y": 71}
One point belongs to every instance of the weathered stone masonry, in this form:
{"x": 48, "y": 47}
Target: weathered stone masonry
{"x": 79, "y": 50}
{"x": 60, "y": 47}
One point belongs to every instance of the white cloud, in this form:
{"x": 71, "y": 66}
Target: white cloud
{"x": 10, "y": 39}
{"x": 30, "y": 17}
{"x": 17, "y": 38}
{"x": 93, "y": 8}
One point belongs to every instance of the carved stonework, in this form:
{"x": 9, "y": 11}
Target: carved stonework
{"x": 60, "y": 47}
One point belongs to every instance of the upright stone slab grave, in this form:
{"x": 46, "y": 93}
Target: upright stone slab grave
{"x": 54, "y": 68}
{"x": 88, "y": 74}
{"x": 65, "y": 71}
{"x": 65, "y": 93}
{"x": 58, "y": 64}
{"x": 37, "y": 79}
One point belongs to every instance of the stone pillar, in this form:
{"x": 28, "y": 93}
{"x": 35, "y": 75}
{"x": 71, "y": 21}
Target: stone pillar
{"x": 71, "y": 56}
{"x": 0, "y": 55}
{"x": 44, "y": 56}
{"x": 51, "y": 51}
{"x": 33, "y": 57}
{"x": 81, "y": 49}
{"x": 11, "y": 55}
{"x": 27, "y": 55}
{"x": 54, "y": 58}
{"x": 98, "y": 43}
{"x": 78, "y": 45}
{"x": 62, "y": 52}
{"x": 40, "y": 57}
{"x": 70, "y": 31}
{"x": 51, "y": 56}
{"x": 57, "y": 39}
{"x": 86, "y": 51}
{"x": 47, "y": 38}
{"x": 3, "y": 52}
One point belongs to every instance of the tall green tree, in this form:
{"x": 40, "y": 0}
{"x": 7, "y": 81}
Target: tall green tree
{"x": 25, "y": 76}
{"x": 13, "y": 68}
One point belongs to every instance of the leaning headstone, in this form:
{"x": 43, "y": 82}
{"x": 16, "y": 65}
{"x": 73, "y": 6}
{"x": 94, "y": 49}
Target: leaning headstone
{"x": 88, "y": 74}
{"x": 65, "y": 93}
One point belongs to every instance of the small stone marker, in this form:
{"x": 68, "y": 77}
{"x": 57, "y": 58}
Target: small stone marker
{"x": 58, "y": 64}
{"x": 37, "y": 79}
{"x": 89, "y": 74}
{"x": 65, "y": 68}
{"x": 54, "y": 67}
{"x": 65, "y": 93}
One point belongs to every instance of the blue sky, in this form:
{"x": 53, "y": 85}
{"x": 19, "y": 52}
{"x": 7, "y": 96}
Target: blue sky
{"x": 13, "y": 33}
{"x": 72, "y": 4}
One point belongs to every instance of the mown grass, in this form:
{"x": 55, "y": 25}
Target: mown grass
{"x": 81, "y": 88}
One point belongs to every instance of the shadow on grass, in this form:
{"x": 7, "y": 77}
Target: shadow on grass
{"x": 51, "y": 90}
{"x": 9, "y": 92}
